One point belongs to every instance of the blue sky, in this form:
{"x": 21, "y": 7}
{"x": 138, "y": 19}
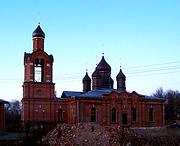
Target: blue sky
{"x": 143, "y": 36}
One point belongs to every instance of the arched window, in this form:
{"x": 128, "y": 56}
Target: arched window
{"x": 93, "y": 114}
{"x": 113, "y": 116}
{"x": 60, "y": 115}
{"x": 133, "y": 114}
{"x": 39, "y": 70}
{"x": 151, "y": 114}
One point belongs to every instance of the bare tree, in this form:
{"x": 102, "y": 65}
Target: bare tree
{"x": 13, "y": 115}
{"x": 172, "y": 103}
{"x": 159, "y": 93}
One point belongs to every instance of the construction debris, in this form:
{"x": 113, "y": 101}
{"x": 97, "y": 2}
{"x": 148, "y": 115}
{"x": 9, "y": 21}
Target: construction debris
{"x": 90, "y": 134}
{"x": 82, "y": 134}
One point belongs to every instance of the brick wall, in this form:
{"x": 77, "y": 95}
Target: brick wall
{"x": 123, "y": 103}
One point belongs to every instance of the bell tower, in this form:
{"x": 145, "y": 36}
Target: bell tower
{"x": 38, "y": 86}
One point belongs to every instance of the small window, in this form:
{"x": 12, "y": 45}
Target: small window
{"x": 113, "y": 116}
{"x": 133, "y": 114}
{"x": 151, "y": 114}
{"x": 93, "y": 114}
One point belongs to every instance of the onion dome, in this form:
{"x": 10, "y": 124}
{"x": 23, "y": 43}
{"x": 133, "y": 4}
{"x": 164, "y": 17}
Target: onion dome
{"x": 38, "y": 32}
{"x": 120, "y": 75}
{"x": 86, "y": 83}
{"x": 103, "y": 65}
{"x": 121, "y": 81}
{"x": 112, "y": 82}
{"x": 86, "y": 77}
{"x": 96, "y": 73}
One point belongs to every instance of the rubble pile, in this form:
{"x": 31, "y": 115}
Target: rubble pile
{"x": 90, "y": 134}
{"x": 82, "y": 134}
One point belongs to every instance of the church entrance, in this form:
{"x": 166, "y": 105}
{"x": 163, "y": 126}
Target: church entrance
{"x": 124, "y": 119}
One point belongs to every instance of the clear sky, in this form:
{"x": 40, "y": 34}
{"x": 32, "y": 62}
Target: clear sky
{"x": 143, "y": 36}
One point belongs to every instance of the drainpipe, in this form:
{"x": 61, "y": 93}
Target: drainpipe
{"x": 163, "y": 118}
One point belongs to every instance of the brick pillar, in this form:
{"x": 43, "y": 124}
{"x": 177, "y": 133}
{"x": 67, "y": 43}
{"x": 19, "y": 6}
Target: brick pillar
{"x": 143, "y": 115}
{"x": 2, "y": 117}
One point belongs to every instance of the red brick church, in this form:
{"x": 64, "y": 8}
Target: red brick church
{"x": 100, "y": 104}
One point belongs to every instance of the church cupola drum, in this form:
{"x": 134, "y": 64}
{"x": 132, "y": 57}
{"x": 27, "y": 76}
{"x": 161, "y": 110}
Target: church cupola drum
{"x": 38, "y": 39}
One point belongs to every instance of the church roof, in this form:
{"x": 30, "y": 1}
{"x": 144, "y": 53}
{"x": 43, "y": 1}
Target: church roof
{"x": 152, "y": 98}
{"x": 70, "y": 94}
{"x": 89, "y": 94}
{"x": 38, "y": 32}
{"x": 86, "y": 77}
{"x": 97, "y": 94}
{"x": 103, "y": 65}
{"x": 3, "y": 101}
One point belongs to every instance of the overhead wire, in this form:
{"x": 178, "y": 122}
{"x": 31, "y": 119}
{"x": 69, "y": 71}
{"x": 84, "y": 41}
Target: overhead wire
{"x": 145, "y": 70}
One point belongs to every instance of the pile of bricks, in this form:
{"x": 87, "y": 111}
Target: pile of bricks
{"x": 90, "y": 134}
{"x": 83, "y": 134}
